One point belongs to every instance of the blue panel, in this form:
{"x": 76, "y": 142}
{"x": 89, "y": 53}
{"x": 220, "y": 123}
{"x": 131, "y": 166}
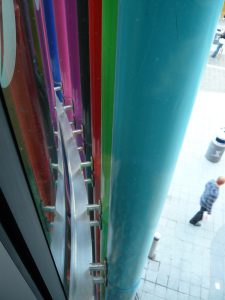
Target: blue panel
{"x": 52, "y": 41}
{"x": 162, "y": 47}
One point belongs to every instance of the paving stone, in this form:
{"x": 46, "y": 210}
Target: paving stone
{"x": 204, "y": 294}
{"x": 154, "y": 265}
{"x": 196, "y": 279}
{"x": 176, "y": 262}
{"x": 186, "y": 267}
{"x": 185, "y": 276}
{"x": 162, "y": 279}
{"x": 184, "y": 287}
{"x": 151, "y": 275}
{"x": 175, "y": 272}
{"x": 171, "y": 295}
{"x": 206, "y": 282}
{"x": 164, "y": 268}
{"x": 216, "y": 295}
{"x": 173, "y": 283}
{"x": 146, "y": 296}
{"x": 195, "y": 290}
{"x": 160, "y": 291}
{"x": 171, "y": 224}
{"x": 181, "y": 296}
{"x": 149, "y": 287}
{"x": 193, "y": 298}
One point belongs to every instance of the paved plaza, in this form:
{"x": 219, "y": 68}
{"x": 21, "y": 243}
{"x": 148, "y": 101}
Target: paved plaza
{"x": 190, "y": 261}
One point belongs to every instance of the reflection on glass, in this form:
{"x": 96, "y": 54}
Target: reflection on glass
{"x": 28, "y": 110}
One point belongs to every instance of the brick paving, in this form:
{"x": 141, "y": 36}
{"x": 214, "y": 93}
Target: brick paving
{"x": 190, "y": 261}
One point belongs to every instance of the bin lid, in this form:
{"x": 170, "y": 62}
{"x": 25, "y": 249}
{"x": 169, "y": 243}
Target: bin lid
{"x": 220, "y": 137}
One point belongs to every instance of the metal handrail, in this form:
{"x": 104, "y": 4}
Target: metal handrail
{"x": 81, "y": 286}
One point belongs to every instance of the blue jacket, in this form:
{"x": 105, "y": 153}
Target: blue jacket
{"x": 209, "y": 195}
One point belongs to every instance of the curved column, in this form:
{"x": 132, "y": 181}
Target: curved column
{"x": 162, "y": 48}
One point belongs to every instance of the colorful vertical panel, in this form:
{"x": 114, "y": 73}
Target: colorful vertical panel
{"x": 52, "y": 43}
{"x": 83, "y": 33}
{"x": 95, "y": 42}
{"x": 109, "y": 29}
{"x": 47, "y": 67}
{"x": 64, "y": 55}
{"x": 40, "y": 76}
{"x": 73, "y": 44}
{"x": 67, "y": 40}
{"x": 22, "y": 100}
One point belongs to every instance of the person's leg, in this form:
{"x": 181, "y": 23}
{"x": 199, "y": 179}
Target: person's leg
{"x": 198, "y": 216}
{"x": 217, "y": 50}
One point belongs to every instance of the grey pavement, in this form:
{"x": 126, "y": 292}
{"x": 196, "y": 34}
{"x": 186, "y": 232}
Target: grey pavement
{"x": 190, "y": 261}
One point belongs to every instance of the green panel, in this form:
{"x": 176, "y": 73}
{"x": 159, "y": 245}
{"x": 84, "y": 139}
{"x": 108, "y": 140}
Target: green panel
{"x": 109, "y": 28}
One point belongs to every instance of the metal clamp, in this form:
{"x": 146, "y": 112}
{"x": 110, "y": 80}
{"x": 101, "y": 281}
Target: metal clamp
{"x": 87, "y": 164}
{"x": 88, "y": 181}
{"x": 49, "y": 209}
{"x": 94, "y": 223}
{"x": 67, "y": 107}
{"x": 77, "y": 131}
{"x": 54, "y": 166}
{"x": 97, "y": 267}
{"x": 99, "y": 280}
{"x": 99, "y": 271}
{"x": 80, "y": 148}
{"x": 93, "y": 207}
{"x": 58, "y": 86}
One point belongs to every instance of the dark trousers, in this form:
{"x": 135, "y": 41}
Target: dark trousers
{"x": 198, "y": 216}
{"x": 217, "y": 50}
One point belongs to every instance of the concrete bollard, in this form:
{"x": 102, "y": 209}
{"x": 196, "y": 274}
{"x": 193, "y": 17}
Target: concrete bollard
{"x": 156, "y": 238}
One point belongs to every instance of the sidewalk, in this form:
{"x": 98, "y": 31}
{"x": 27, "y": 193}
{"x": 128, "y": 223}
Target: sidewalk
{"x": 190, "y": 261}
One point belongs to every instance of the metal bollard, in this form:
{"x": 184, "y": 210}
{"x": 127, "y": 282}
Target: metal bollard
{"x": 156, "y": 238}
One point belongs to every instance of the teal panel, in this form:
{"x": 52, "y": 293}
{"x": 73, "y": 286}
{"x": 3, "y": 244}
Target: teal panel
{"x": 162, "y": 47}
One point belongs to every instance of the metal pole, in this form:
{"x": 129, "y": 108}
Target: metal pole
{"x": 162, "y": 47}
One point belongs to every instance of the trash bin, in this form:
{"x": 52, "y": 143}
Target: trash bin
{"x": 216, "y": 147}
